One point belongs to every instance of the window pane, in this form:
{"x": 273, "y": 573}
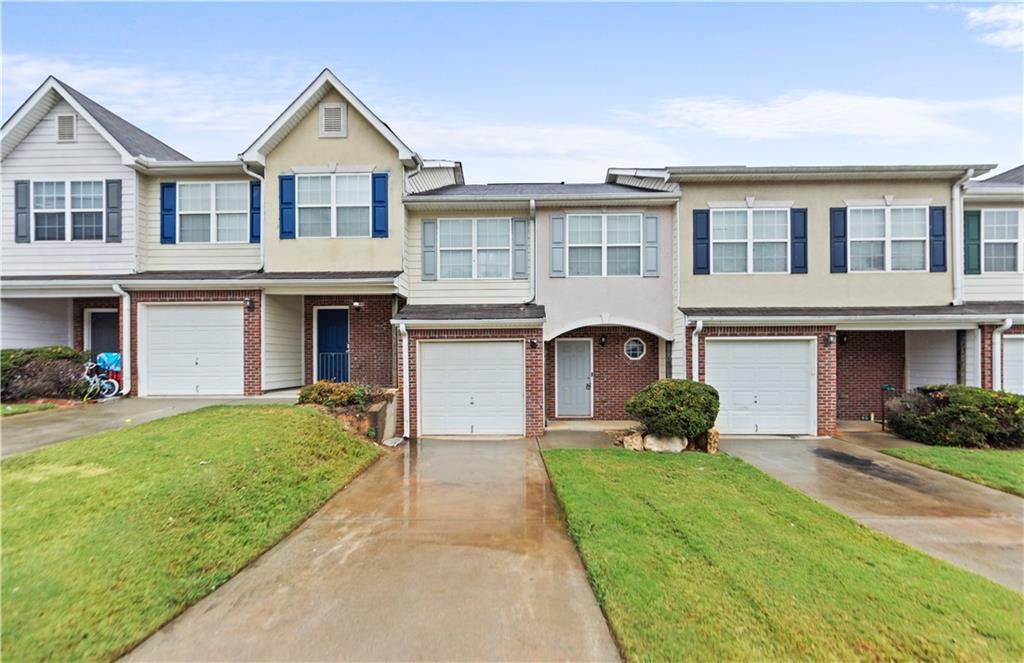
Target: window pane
{"x": 86, "y": 195}
{"x": 585, "y": 230}
{"x": 314, "y": 190}
{"x": 635, "y": 348}
{"x": 867, "y": 256}
{"x": 48, "y": 195}
{"x": 728, "y": 224}
{"x": 729, "y": 258}
{"x": 353, "y": 222}
{"x": 233, "y": 197}
{"x": 492, "y": 233}
{"x": 314, "y": 222}
{"x": 584, "y": 261}
{"x": 232, "y": 227}
{"x": 867, "y": 223}
{"x": 623, "y": 229}
{"x": 908, "y": 255}
{"x": 909, "y": 222}
{"x": 492, "y": 263}
{"x": 771, "y": 224}
{"x": 352, "y": 190}
{"x": 1000, "y": 224}
{"x": 623, "y": 260}
{"x": 1001, "y": 257}
{"x": 455, "y": 233}
{"x": 86, "y": 225}
{"x": 193, "y": 198}
{"x": 49, "y": 226}
{"x": 456, "y": 264}
{"x": 195, "y": 228}
{"x": 769, "y": 256}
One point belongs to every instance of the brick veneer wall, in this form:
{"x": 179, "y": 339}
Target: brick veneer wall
{"x": 616, "y": 376}
{"x": 78, "y": 316}
{"x": 534, "y": 370}
{"x": 866, "y": 361}
{"x": 986, "y": 352}
{"x": 370, "y": 334}
{"x": 252, "y": 369}
{"x": 826, "y": 362}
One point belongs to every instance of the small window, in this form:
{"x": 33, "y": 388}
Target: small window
{"x": 888, "y": 239}
{"x": 604, "y": 244}
{"x": 67, "y": 126}
{"x": 1002, "y": 245}
{"x": 333, "y": 120}
{"x": 635, "y": 348}
{"x": 216, "y": 212}
{"x": 474, "y": 248}
{"x": 87, "y": 210}
{"x": 334, "y": 205}
{"x": 48, "y": 206}
{"x": 747, "y": 241}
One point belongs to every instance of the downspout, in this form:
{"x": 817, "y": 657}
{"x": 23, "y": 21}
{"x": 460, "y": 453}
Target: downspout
{"x": 958, "y": 238}
{"x": 263, "y": 210}
{"x": 408, "y": 176}
{"x": 997, "y": 354}
{"x": 533, "y": 266}
{"x": 694, "y": 352}
{"x": 405, "y": 380}
{"x": 126, "y": 334}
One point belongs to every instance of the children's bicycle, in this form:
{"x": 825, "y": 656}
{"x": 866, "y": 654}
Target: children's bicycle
{"x": 97, "y": 383}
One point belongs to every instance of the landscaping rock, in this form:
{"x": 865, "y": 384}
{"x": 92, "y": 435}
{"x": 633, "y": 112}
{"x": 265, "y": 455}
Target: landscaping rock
{"x": 707, "y": 442}
{"x": 633, "y": 440}
{"x": 664, "y": 444}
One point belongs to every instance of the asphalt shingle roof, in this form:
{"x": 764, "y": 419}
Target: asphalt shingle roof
{"x": 471, "y": 312}
{"x": 1014, "y": 176}
{"x": 969, "y": 309}
{"x": 535, "y": 189}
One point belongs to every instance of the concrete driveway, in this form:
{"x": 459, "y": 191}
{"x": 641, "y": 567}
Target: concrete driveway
{"x": 974, "y": 527}
{"x": 443, "y": 550}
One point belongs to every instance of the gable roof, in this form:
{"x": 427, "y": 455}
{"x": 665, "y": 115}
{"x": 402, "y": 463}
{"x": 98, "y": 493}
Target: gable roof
{"x": 131, "y": 141}
{"x": 305, "y": 102}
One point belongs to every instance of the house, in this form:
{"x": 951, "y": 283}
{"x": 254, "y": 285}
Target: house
{"x": 330, "y": 249}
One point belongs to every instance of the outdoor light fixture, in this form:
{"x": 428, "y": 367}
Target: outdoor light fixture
{"x": 603, "y": 340}
{"x": 357, "y": 305}
{"x": 249, "y": 303}
{"x": 829, "y": 340}
{"x": 533, "y": 344}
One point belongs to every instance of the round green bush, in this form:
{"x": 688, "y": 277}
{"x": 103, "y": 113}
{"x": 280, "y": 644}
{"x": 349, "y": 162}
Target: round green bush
{"x": 675, "y": 408}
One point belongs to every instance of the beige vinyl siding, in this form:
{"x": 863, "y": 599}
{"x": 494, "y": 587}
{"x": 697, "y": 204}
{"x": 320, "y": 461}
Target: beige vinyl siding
{"x": 995, "y": 286}
{"x": 154, "y": 256}
{"x": 429, "y": 179}
{"x": 39, "y": 157}
{"x": 31, "y": 323}
{"x": 283, "y": 341}
{"x": 461, "y": 291}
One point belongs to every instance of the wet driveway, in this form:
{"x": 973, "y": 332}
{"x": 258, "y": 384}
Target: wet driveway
{"x": 443, "y": 550}
{"x": 977, "y": 528}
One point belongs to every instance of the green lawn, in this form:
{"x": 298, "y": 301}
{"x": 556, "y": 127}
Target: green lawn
{"x": 107, "y": 537}
{"x": 23, "y": 408}
{"x": 1002, "y": 469}
{"x": 705, "y": 558}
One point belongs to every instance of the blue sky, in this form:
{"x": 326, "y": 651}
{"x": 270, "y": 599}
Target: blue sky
{"x": 538, "y": 92}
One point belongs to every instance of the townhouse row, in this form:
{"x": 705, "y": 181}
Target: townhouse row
{"x": 328, "y": 249}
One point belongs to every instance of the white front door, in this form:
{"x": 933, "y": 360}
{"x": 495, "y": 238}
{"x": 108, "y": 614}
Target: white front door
{"x": 573, "y": 378}
{"x": 192, "y": 349}
{"x": 765, "y": 386}
{"x": 471, "y": 387}
{"x": 1013, "y": 364}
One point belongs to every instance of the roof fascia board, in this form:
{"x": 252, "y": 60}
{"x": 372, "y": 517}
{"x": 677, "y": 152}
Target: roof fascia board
{"x": 712, "y": 173}
{"x": 471, "y": 324}
{"x": 714, "y": 320}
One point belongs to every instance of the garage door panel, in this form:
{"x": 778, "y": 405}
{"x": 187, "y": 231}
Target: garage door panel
{"x": 194, "y": 349}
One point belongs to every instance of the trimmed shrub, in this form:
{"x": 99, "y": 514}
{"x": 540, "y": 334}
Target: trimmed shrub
{"x": 340, "y": 394}
{"x": 958, "y": 416}
{"x": 52, "y": 371}
{"x": 675, "y": 408}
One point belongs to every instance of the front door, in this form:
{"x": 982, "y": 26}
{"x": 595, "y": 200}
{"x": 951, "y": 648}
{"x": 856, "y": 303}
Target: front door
{"x": 573, "y": 378}
{"x": 332, "y": 344}
{"x": 102, "y": 332}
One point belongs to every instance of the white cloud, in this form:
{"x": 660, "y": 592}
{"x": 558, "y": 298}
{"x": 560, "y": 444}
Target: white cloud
{"x": 826, "y": 113}
{"x": 998, "y": 25}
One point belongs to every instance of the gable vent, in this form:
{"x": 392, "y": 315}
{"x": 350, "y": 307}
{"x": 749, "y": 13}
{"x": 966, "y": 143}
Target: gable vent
{"x": 333, "y": 122}
{"x": 65, "y": 128}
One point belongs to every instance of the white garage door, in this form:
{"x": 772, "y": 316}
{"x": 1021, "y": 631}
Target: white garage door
{"x": 1013, "y": 364}
{"x": 765, "y": 386}
{"x": 192, "y": 349}
{"x": 472, "y": 387}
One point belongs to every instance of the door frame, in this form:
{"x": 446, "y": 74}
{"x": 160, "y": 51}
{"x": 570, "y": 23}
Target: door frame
{"x": 316, "y": 338}
{"x": 87, "y": 326}
{"x": 590, "y": 342}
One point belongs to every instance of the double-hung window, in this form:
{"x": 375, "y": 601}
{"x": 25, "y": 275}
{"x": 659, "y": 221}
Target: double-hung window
{"x": 888, "y": 239}
{"x": 217, "y": 212}
{"x": 48, "y": 207}
{"x": 334, "y": 205}
{"x": 1002, "y": 240}
{"x": 87, "y": 210}
{"x": 55, "y": 203}
{"x": 747, "y": 241}
{"x": 474, "y": 248}
{"x": 604, "y": 244}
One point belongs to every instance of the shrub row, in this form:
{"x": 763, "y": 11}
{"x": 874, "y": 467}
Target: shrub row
{"x": 675, "y": 408}
{"x": 340, "y": 394}
{"x": 52, "y": 371}
{"x": 954, "y": 415}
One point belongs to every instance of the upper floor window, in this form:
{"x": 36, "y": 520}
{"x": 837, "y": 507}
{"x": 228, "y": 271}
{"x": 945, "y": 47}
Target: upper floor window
{"x": 333, "y": 120}
{"x": 334, "y": 205}
{"x": 1001, "y": 237}
{"x": 67, "y": 210}
{"x": 213, "y": 212}
{"x": 747, "y": 241}
{"x": 474, "y": 248}
{"x": 888, "y": 239}
{"x": 67, "y": 128}
{"x": 604, "y": 244}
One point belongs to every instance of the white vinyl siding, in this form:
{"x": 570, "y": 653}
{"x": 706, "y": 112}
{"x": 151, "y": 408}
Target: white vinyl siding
{"x": 474, "y": 248}
{"x": 31, "y": 323}
{"x": 283, "y": 341}
{"x": 604, "y": 244}
{"x": 889, "y": 239}
{"x": 1002, "y": 241}
{"x": 213, "y": 212}
{"x": 333, "y": 205}
{"x": 931, "y": 357}
{"x": 745, "y": 241}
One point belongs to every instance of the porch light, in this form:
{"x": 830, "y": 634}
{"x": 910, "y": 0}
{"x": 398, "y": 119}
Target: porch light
{"x": 357, "y": 305}
{"x": 249, "y": 304}
{"x": 829, "y": 340}
{"x": 603, "y": 340}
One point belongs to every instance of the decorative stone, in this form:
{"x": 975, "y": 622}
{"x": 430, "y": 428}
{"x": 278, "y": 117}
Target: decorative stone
{"x": 707, "y": 442}
{"x": 633, "y": 440}
{"x": 664, "y": 444}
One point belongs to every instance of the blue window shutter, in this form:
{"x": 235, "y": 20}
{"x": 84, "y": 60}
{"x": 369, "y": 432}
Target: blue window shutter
{"x": 255, "y": 211}
{"x": 168, "y": 212}
{"x": 701, "y": 241}
{"x": 651, "y": 252}
{"x": 837, "y": 239}
{"x": 556, "y": 266}
{"x": 937, "y": 238}
{"x": 22, "y": 212}
{"x": 380, "y": 204}
{"x": 798, "y": 241}
{"x": 520, "y": 249}
{"x": 428, "y": 251}
{"x": 286, "y": 215}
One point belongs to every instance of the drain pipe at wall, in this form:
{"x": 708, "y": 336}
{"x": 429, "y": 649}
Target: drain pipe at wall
{"x": 695, "y": 352}
{"x": 997, "y": 354}
{"x": 263, "y": 209}
{"x": 126, "y": 334}
{"x": 405, "y": 380}
{"x": 958, "y": 238}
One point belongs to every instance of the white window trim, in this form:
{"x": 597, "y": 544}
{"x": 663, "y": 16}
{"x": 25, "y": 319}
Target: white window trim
{"x": 603, "y": 246}
{"x": 750, "y": 241}
{"x": 66, "y": 211}
{"x": 334, "y": 206}
{"x": 887, "y": 240}
{"x": 1019, "y": 241}
{"x": 473, "y": 249}
{"x": 74, "y": 128}
{"x": 212, "y": 211}
{"x": 642, "y": 344}
{"x": 344, "y": 119}
{"x": 87, "y": 325}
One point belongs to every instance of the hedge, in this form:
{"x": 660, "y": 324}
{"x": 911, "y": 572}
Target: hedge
{"x": 52, "y": 371}
{"x": 955, "y": 415}
{"x": 675, "y": 408}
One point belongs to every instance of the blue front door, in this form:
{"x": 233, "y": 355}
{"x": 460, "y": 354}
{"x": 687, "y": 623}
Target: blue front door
{"x": 332, "y": 344}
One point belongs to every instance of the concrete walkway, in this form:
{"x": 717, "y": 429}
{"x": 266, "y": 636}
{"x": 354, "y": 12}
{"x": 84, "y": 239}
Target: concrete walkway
{"x": 974, "y": 527}
{"x": 444, "y": 550}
